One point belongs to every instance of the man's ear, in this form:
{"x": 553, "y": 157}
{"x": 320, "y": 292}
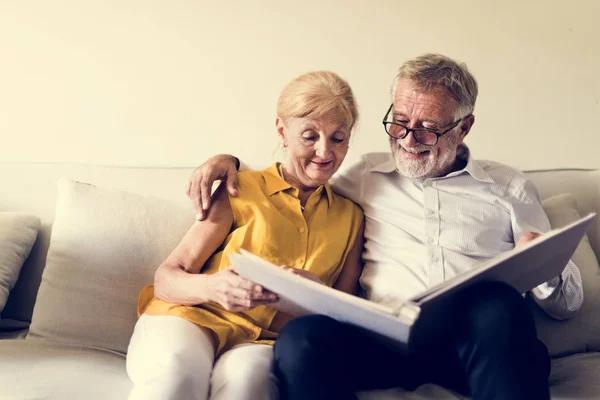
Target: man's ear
{"x": 280, "y": 131}
{"x": 465, "y": 127}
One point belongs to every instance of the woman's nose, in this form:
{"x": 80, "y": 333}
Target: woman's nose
{"x": 323, "y": 150}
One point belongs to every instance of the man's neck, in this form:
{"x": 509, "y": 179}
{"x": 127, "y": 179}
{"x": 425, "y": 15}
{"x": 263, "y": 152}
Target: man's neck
{"x": 457, "y": 165}
{"x": 460, "y": 162}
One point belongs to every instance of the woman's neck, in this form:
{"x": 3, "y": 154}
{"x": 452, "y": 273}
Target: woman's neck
{"x": 288, "y": 176}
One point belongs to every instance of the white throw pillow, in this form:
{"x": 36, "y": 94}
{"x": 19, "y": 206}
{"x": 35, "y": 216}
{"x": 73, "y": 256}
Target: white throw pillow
{"x": 582, "y": 332}
{"x": 105, "y": 246}
{"x": 17, "y": 236}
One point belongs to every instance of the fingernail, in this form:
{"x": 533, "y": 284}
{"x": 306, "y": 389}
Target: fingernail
{"x": 205, "y": 207}
{"x": 198, "y": 217}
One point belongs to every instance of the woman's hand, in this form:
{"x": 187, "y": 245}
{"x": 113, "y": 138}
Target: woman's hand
{"x": 236, "y": 294}
{"x": 303, "y": 273}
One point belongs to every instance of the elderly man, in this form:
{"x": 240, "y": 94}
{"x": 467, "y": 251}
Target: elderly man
{"x": 432, "y": 211}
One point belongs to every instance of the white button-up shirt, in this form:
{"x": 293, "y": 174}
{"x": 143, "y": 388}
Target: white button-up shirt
{"x": 421, "y": 233}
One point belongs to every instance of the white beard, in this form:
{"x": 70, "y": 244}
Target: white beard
{"x": 415, "y": 169}
{"x": 428, "y": 167}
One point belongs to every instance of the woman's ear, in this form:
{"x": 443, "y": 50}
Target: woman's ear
{"x": 281, "y": 132}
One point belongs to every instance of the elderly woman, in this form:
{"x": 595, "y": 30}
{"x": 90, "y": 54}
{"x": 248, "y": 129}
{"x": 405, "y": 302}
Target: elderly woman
{"x": 202, "y": 327}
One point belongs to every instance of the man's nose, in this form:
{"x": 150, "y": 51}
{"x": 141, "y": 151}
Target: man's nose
{"x": 410, "y": 140}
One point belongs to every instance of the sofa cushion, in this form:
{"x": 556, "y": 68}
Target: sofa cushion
{"x": 34, "y": 369}
{"x": 573, "y": 377}
{"x": 582, "y": 332}
{"x": 424, "y": 392}
{"x": 105, "y": 246}
{"x": 17, "y": 236}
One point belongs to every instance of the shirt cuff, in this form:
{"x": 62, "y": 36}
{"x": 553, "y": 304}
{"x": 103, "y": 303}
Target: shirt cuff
{"x": 546, "y": 289}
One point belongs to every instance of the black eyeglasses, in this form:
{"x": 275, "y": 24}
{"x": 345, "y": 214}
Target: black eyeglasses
{"x": 425, "y": 136}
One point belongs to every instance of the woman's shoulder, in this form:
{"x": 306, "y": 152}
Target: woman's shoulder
{"x": 250, "y": 177}
{"x": 346, "y": 205}
{"x": 252, "y": 183}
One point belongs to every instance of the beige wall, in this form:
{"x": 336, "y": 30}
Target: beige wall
{"x": 172, "y": 82}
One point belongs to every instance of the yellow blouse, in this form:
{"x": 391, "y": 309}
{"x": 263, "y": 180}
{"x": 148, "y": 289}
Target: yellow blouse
{"x": 269, "y": 221}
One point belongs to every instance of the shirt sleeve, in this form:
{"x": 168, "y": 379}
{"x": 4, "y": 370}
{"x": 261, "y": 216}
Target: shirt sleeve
{"x": 562, "y": 296}
{"x": 349, "y": 183}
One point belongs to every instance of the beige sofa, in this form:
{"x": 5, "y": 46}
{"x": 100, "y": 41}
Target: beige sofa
{"x": 106, "y": 244}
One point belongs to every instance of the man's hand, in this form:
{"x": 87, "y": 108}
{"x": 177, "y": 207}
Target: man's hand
{"x": 303, "y": 273}
{"x": 526, "y": 238}
{"x": 236, "y": 294}
{"x": 220, "y": 167}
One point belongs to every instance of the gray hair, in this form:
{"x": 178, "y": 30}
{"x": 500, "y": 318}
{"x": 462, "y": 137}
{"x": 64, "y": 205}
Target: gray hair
{"x": 430, "y": 71}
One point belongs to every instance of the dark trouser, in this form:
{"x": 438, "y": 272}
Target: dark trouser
{"x": 492, "y": 352}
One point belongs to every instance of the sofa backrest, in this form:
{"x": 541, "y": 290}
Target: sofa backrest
{"x": 584, "y": 185}
{"x": 31, "y": 188}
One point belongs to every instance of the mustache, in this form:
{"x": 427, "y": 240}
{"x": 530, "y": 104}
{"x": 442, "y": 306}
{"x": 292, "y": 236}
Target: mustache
{"x": 418, "y": 148}
{"x": 415, "y": 149}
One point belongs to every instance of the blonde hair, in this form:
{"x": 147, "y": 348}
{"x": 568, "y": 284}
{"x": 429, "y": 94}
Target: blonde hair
{"x": 318, "y": 94}
{"x": 430, "y": 71}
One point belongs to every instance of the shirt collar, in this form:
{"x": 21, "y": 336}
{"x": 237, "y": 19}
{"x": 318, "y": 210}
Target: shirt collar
{"x": 387, "y": 164}
{"x": 472, "y": 167}
{"x": 275, "y": 183}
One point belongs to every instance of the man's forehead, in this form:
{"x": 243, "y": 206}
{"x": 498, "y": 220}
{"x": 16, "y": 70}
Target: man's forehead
{"x": 407, "y": 98}
{"x": 407, "y": 105}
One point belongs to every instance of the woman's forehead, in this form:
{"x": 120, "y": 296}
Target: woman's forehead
{"x": 326, "y": 122}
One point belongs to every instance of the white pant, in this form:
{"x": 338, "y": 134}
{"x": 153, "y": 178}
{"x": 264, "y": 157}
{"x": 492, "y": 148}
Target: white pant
{"x": 171, "y": 358}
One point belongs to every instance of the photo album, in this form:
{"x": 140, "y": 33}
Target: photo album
{"x": 416, "y": 319}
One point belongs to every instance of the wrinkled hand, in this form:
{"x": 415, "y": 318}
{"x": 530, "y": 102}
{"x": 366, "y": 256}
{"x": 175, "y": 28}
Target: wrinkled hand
{"x": 220, "y": 167}
{"x": 303, "y": 273}
{"x": 236, "y": 294}
{"x": 526, "y": 238}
